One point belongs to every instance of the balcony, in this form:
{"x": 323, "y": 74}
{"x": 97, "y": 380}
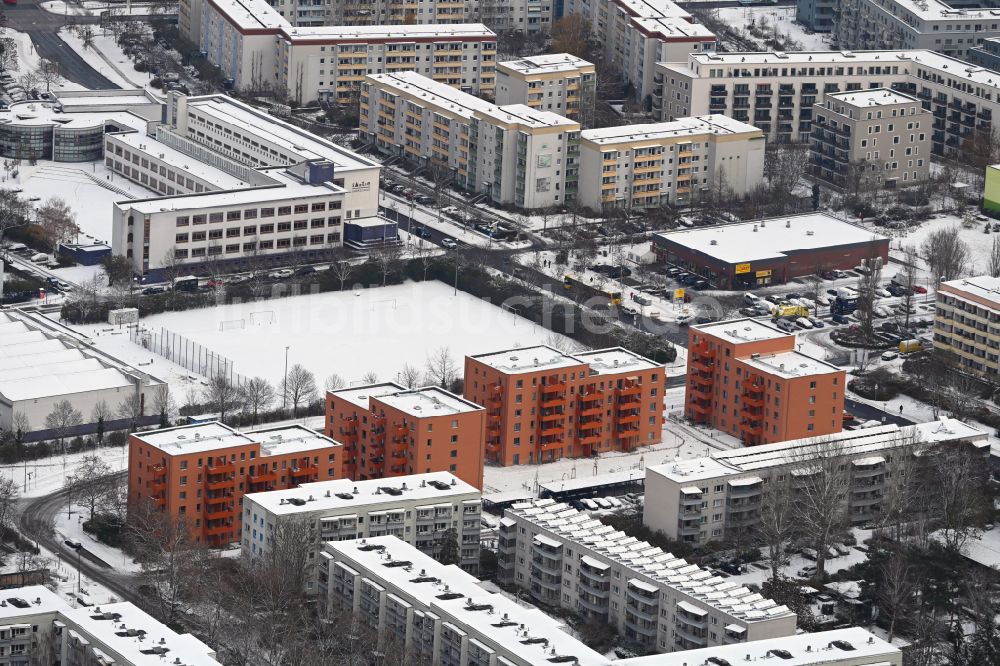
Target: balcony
{"x": 158, "y": 470}
{"x": 217, "y": 530}
{"x": 220, "y": 484}
{"x": 219, "y": 512}
{"x": 305, "y": 471}
{"x": 158, "y": 486}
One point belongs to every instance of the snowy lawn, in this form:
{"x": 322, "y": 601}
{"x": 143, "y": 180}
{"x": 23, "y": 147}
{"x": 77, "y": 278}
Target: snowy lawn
{"x": 979, "y": 243}
{"x": 71, "y": 527}
{"x": 781, "y": 18}
{"x": 349, "y": 333}
{"x": 36, "y": 478}
{"x": 108, "y": 58}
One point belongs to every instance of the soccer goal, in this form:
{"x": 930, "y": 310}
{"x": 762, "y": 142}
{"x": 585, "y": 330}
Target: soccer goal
{"x": 388, "y": 303}
{"x": 262, "y": 317}
{"x": 229, "y": 324}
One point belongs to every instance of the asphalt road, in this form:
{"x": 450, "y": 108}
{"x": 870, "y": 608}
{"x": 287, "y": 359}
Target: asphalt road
{"x": 864, "y": 412}
{"x": 35, "y": 522}
{"x": 27, "y": 16}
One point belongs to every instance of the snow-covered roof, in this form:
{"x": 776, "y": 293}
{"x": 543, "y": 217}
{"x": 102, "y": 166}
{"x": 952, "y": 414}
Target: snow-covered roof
{"x": 40, "y": 599}
{"x": 582, "y": 482}
{"x": 194, "y": 438}
{"x": 344, "y": 494}
{"x": 524, "y": 115}
{"x": 790, "y": 364}
{"x": 65, "y": 383}
{"x": 546, "y": 63}
{"x": 401, "y": 33}
{"x": 863, "y": 443}
{"x": 649, "y": 564}
{"x": 663, "y": 20}
{"x": 853, "y": 645}
{"x": 493, "y": 620}
{"x": 360, "y": 395}
{"x": 540, "y": 358}
{"x": 290, "y": 439}
{"x": 691, "y": 127}
{"x": 428, "y": 401}
{"x": 872, "y": 97}
{"x": 615, "y": 360}
{"x": 440, "y": 95}
{"x": 250, "y": 14}
{"x": 47, "y": 114}
{"x": 771, "y": 238}
{"x": 983, "y": 290}
{"x": 218, "y": 178}
{"x": 738, "y": 331}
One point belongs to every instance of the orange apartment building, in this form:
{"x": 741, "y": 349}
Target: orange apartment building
{"x": 544, "y": 405}
{"x": 388, "y": 430}
{"x": 746, "y": 379}
{"x": 202, "y": 471}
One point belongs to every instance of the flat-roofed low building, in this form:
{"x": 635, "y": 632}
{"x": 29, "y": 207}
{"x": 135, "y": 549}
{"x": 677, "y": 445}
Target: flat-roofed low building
{"x": 420, "y": 509}
{"x": 875, "y": 138}
{"x": 774, "y": 250}
{"x": 201, "y": 472}
{"x": 718, "y": 497}
{"x": 648, "y": 165}
{"x": 556, "y": 82}
{"x": 567, "y": 559}
{"x": 439, "y": 612}
{"x": 967, "y": 323}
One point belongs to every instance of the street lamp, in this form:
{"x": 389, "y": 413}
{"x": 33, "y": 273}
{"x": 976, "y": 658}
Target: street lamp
{"x": 284, "y": 384}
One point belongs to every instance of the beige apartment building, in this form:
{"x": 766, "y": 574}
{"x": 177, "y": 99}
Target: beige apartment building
{"x": 967, "y": 323}
{"x": 718, "y": 497}
{"x": 644, "y": 166}
{"x": 557, "y": 82}
{"x": 777, "y": 92}
{"x": 875, "y": 138}
{"x": 514, "y": 154}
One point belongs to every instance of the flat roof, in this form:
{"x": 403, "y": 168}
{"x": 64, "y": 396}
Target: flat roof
{"x": 539, "y": 358}
{"x": 822, "y": 647}
{"x": 680, "y": 128}
{"x": 40, "y": 599}
{"x": 598, "y": 481}
{"x": 45, "y": 114}
{"x": 324, "y": 496}
{"x": 522, "y": 114}
{"x": 790, "y": 364}
{"x": 401, "y": 33}
{"x": 491, "y": 619}
{"x": 770, "y": 238}
{"x": 850, "y": 443}
{"x": 872, "y": 97}
{"x": 546, "y": 63}
{"x": 428, "y": 401}
{"x": 615, "y": 360}
{"x": 250, "y": 14}
{"x": 290, "y": 439}
{"x": 218, "y": 178}
{"x": 738, "y": 331}
{"x": 359, "y": 395}
{"x": 982, "y": 287}
{"x": 194, "y": 438}
{"x": 433, "y": 92}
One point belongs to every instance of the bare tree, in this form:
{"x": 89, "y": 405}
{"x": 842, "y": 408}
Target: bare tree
{"x": 130, "y": 409}
{"x": 387, "y": 258}
{"x": 100, "y": 415}
{"x": 994, "y": 263}
{"x": 48, "y": 73}
{"x": 334, "y": 382}
{"x": 222, "y": 395}
{"x": 777, "y": 520}
{"x": 89, "y": 483}
{"x": 29, "y": 81}
{"x": 946, "y": 254}
{"x": 163, "y": 403}
{"x": 370, "y": 377}
{"x": 342, "y": 270}
{"x": 822, "y": 487}
{"x": 784, "y": 165}
{"x": 257, "y": 395}
{"x": 299, "y": 387}
{"x": 441, "y": 369}
{"x": 908, "y": 280}
{"x": 895, "y": 589}
{"x": 869, "y": 281}
{"x": 571, "y": 34}
{"x": 20, "y": 425}
{"x": 409, "y": 376}
{"x": 14, "y": 211}
{"x": 9, "y": 494}
{"x": 956, "y": 480}
{"x": 62, "y": 419}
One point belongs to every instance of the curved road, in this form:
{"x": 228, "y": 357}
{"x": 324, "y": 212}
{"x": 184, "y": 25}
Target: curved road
{"x": 27, "y": 16}
{"x": 35, "y": 522}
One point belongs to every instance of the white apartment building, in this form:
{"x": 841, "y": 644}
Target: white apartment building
{"x": 777, "y": 91}
{"x": 556, "y": 82}
{"x": 568, "y": 559}
{"x": 419, "y": 509}
{"x": 707, "y": 499}
{"x": 879, "y": 136}
{"x": 514, "y": 154}
{"x": 37, "y": 627}
{"x": 637, "y": 34}
{"x": 644, "y": 166}
{"x": 237, "y": 184}
{"x": 440, "y": 611}
{"x": 257, "y": 48}
{"x": 967, "y": 323}
{"x": 913, "y": 24}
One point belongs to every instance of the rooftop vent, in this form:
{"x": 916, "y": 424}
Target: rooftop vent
{"x": 345, "y": 496}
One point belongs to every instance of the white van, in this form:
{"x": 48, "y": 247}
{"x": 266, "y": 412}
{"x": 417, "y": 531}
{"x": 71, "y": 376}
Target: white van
{"x": 750, "y": 299}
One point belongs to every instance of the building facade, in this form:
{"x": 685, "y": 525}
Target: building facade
{"x": 439, "y": 612}
{"x": 875, "y": 138}
{"x": 775, "y": 250}
{"x": 558, "y": 82}
{"x": 987, "y": 54}
{"x": 777, "y": 92}
{"x": 646, "y": 166}
{"x": 200, "y": 473}
{"x": 719, "y": 497}
{"x": 391, "y": 431}
{"x": 746, "y": 379}
{"x": 914, "y": 24}
{"x": 637, "y": 34}
{"x": 967, "y": 323}
{"x": 816, "y": 15}
{"x": 514, "y": 154}
{"x": 40, "y": 628}
{"x": 567, "y": 559}
{"x": 420, "y": 509}
{"x": 545, "y": 405}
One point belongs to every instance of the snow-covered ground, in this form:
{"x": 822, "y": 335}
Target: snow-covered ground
{"x": 92, "y": 8}
{"x": 781, "y": 18}
{"x": 796, "y": 563}
{"x": 980, "y": 244}
{"x": 108, "y": 58}
{"x": 70, "y": 526}
{"x": 94, "y": 59}
{"x": 45, "y": 476}
{"x": 440, "y": 223}
{"x": 349, "y": 333}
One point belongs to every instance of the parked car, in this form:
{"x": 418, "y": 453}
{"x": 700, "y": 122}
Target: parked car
{"x": 305, "y": 270}
{"x": 881, "y": 311}
{"x": 817, "y": 322}
{"x": 281, "y": 274}
{"x": 150, "y": 291}
{"x": 809, "y": 554}
{"x": 884, "y": 293}
{"x": 807, "y": 572}
{"x": 889, "y": 356}
{"x": 917, "y": 289}
{"x": 423, "y": 199}
{"x": 449, "y": 243}
{"x": 840, "y": 319}
{"x": 422, "y": 232}
{"x": 803, "y": 323}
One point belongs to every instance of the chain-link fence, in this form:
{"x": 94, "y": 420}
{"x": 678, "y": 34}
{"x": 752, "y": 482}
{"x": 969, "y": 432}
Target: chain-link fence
{"x": 186, "y": 353}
